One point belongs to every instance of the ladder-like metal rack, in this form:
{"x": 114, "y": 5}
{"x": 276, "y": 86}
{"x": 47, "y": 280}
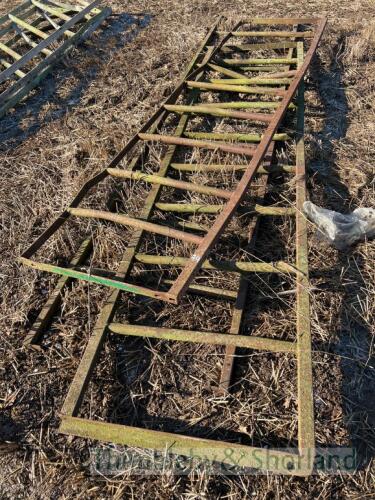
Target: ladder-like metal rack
{"x": 285, "y": 86}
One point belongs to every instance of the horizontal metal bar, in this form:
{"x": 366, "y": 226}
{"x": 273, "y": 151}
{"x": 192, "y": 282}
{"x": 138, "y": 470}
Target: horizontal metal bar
{"x": 66, "y": 7}
{"x": 186, "y": 224}
{"x": 264, "y": 210}
{"x": 210, "y": 338}
{"x": 140, "y": 224}
{"x": 281, "y": 20}
{"x": 259, "y": 46}
{"x": 281, "y": 74}
{"x": 201, "y": 109}
{"x": 257, "y": 61}
{"x": 271, "y": 34}
{"x": 241, "y": 89}
{"x": 261, "y": 69}
{"x": 181, "y": 141}
{"x": 167, "y": 181}
{"x": 196, "y": 167}
{"x": 247, "y": 104}
{"x": 215, "y": 209}
{"x": 225, "y": 71}
{"x": 92, "y": 278}
{"x": 189, "y": 208}
{"x": 218, "y": 265}
{"x": 251, "y": 81}
{"x": 234, "y": 136}
{"x": 232, "y": 454}
{"x": 10, "y": 52}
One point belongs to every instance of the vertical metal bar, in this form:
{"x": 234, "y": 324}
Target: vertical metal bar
{"x": 306, "y": 439}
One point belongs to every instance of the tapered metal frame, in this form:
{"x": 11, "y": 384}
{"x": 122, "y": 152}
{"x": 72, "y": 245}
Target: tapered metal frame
{"x": 299, "y": 461}
{"x": 23, "y": 73}
{"x": 203, "y": 244}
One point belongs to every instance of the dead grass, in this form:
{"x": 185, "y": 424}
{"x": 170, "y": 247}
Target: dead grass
{"x": 67, "y": 131}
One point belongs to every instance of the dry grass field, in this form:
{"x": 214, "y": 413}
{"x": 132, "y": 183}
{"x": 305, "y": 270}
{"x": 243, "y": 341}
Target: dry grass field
{"x": 66, "y": 131}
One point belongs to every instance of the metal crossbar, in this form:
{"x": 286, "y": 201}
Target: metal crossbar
{"x": 34, "y": 37}
{"x": 193, "y": 89}
{"x": 208, "y": 58}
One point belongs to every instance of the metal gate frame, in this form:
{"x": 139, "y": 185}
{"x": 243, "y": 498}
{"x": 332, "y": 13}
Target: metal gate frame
{"x": 296, "y": 462}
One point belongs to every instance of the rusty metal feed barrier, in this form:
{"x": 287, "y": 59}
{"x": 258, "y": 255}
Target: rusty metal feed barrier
{"x": 35, "y": 36}
{"x": 209, "y": 65}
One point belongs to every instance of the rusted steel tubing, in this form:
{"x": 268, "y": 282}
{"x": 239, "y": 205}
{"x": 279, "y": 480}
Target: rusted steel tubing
{"x": 197, "y": 167}
{"x": 261, "y": 69}
{"x": 129, "y": 221}
{"x": 226, "y": 266}
{"x": 257, "y": 117}
{"x": 251, "y": 81}
{"x": 281, "y": 21}
{"x": 272, "y": 34}
{"x": 189, "y": 208}
{"x": 241, "y": 89}
{"x": 246, "y": 105}
{"x": 256, "y": 46}
{"x": 225, "y": 71}
{"x": 205, "y": 450}
{"x": 203, "y": 337}
{"x": 264, "y": 210}
{"x": 10, "y": 51}
{"x": 244, "y": 62}
{"x": 306, "y": 432}
{"x": 186, "y": 224}
{"x": 214, "y": 209}
{"x": 181, "y": 141}
{"x": 233, "y": 136}
{"x": 167, "y": 181}
{"x": 193, "y": 266}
